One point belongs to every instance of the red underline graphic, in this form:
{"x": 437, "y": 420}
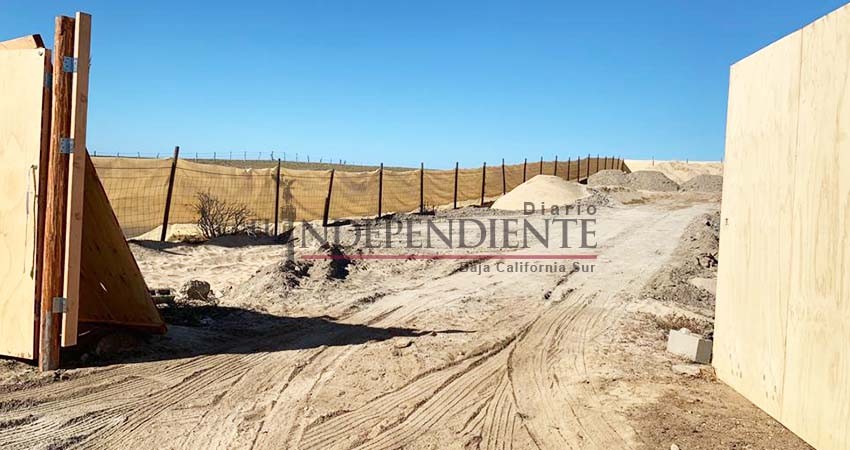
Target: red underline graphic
{"x": 423, "y": 256}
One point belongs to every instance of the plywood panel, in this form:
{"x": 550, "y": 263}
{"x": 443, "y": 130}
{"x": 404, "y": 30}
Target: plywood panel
{"x": 112, "y": 289}
{"x": 756, "y": 222}
{"x": 782, "y": 332}
{"x": 21, "y": 88}
{"x": 816, "y": 400}
{"x": 32, "y": 41}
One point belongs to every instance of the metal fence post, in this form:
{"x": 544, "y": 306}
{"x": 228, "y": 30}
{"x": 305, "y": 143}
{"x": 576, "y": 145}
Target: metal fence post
{"x": 541, "y": 165}
{"x": 327, "y": 211}
{"x": 276, "y": 196}
{"x": 168, "y": 195}
{"x": 455, "y": 197}
{"x": 555, "y": 171}
{"x": 380, "y": 189}
{"x": 421, "y": 188}
{"x": 504, "y": 182}
{"x": 569, "y": 162}
{"x": 587, "y": 174}
{"x": 483, "y": 181}
{"x": 524, "y": 169}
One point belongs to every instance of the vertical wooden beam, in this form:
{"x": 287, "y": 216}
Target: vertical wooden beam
{"x": 56, "y": 209}
{"x": 483, "y": 181}
{"x": 555, "y": 171}
{"x": 43, "y": 163}
{"x": 325, "y": 216}
{"x": 504, "y": 182}
{"x": 578, "y": 169}
{"x": 276, "y": 197}
{"x": 76, "y": 178}
{"x": 541, "y": 165}
{"x": 168, "y": 194}
{"x": 380, "y": 190}
{"x": 524, "y": 169}
{"x": 421, "y": 188}
{"x": 587, "y": 174}
{"x": 455, "y": 197}
{"x": 569, "y": 162}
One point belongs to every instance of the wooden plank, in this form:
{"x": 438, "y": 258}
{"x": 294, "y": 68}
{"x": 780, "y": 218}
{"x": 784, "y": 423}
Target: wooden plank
{"x": 44, "y": 157}
{"x": 32, "y": 41}
{"x": 112, "y": 288}
{"x": 76, "y": 177}
{"x": 752, "y": 291}
{"x": 815, "y": 401}
{"x": 57, "y": 192}
{"x": 21, "y": 132}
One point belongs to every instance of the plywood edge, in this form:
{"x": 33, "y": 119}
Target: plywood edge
{"x": 23, "y": 43}
{"x": 76, "y": 178}
{"x": 44, "y": 154}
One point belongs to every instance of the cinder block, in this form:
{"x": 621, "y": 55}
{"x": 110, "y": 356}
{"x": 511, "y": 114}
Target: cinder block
{"x": 689, "y": 345}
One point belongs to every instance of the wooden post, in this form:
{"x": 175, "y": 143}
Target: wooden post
{"x": 57, "y": 190}
{"x": 578, "y": 169}
{"x": 380, "y": 189}
{"x": 597, "y": 163}
{"x": 587, "y": 175}
{"x": 541, "y": 165}
{"x": 76, "y": 180}
{"x": 555, "y": 171}
{"x": 276, "y": 197}
{"x": 504, "y": 182}
{"x": 169, "y": 193}
{"x": 483, "y": 181}
{"x": 421, "y": 188}
{"x": 325, "y": 216}
{"x": 456, "y": 169}
{"x": 569, "y": 162}
{"x": 524, "y": 169}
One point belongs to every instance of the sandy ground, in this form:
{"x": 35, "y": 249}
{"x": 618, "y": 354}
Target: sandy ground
{"x": 405, "y": 354}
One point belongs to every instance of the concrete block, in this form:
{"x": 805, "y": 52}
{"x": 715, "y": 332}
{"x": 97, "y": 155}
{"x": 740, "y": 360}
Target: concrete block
{"x": 689, "y": 345}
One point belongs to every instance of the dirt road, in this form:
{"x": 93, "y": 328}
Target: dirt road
{"x": 418, "y": 354}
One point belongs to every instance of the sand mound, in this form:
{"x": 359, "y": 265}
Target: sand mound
{"x": 608, "y": 178}
{"x": 651, "y": 180}
{"x": 678, "y": 171}
{"x": 704, "y": 183}
{"x": 548, "y": 189}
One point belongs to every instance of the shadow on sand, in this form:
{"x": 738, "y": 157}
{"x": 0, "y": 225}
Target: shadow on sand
{"x": 212, "y": 330}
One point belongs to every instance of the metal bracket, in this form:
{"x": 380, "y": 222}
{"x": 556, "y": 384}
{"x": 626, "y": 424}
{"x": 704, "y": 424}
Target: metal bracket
{"x": 69, "y": 64}
{"x": 60, "y": 305}
{"x": 66, "y": 146}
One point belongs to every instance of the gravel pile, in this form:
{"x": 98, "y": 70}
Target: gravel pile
{"x": 650, "y": 180}
{"x": 704, "y": 183}
{"x": 608, "y": 178}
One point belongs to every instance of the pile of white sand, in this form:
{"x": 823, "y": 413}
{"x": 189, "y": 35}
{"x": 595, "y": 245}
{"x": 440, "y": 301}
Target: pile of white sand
{"x": 547, "y": 189}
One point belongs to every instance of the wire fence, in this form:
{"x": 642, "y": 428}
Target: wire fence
{"x": 150, "y": 195}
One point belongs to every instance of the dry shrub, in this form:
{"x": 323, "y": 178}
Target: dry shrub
{"x": 217, "y": 217}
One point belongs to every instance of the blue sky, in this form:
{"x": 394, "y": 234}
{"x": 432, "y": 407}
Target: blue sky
{"x": 409, "y": 81}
